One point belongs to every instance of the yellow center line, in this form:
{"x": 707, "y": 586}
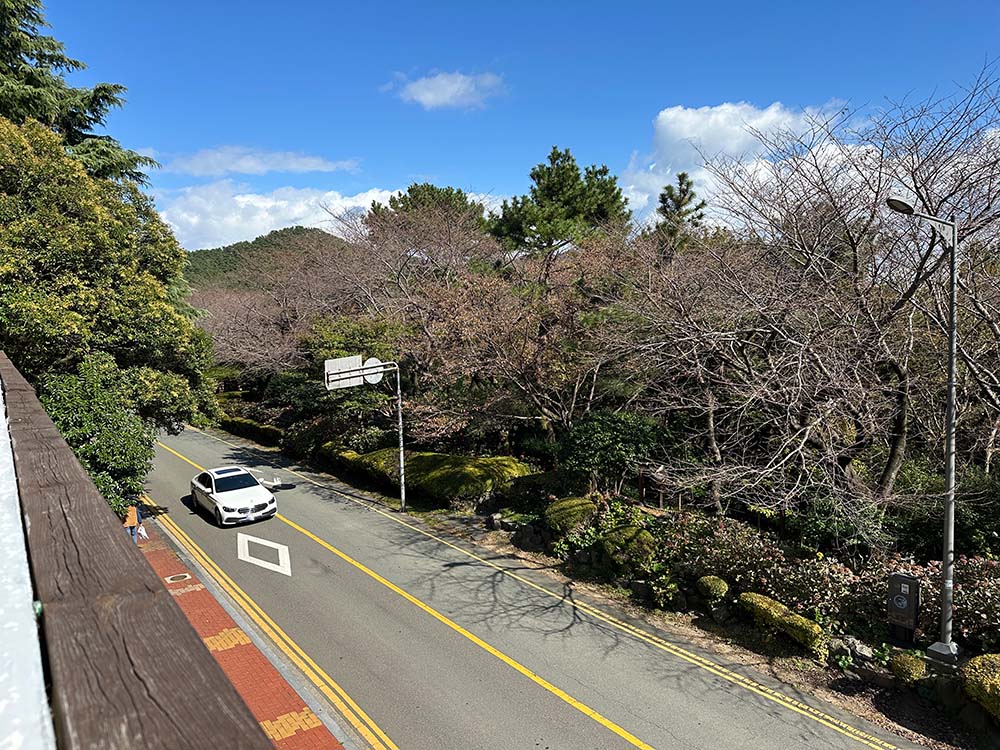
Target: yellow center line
{"x": 747, "y": 683}
{"x": 327, "y": 685}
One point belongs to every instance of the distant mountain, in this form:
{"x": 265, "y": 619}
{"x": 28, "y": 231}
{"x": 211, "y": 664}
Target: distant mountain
{"x": 224, "y": 267}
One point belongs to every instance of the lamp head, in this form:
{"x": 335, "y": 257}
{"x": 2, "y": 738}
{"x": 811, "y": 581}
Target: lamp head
{"x": 899, "y": 205}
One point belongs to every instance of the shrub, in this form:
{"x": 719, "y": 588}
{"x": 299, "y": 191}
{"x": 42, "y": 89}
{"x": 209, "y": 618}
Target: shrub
{"x": 981, "y": 681}
{"x": 264, "y": 434}
{"x": 628, "y": 548}
{"x": 607, "y": 444}
{"x": 776, "y": 616}
{"x": 713, "y": 588}
{"x": 439, "y": 478}
{"x": 534, "y": 491}
{"x": 570, "y": 513}
{"x": 907, "y": 667}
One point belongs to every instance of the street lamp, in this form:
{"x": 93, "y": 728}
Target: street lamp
{"x": 945, "y": 649}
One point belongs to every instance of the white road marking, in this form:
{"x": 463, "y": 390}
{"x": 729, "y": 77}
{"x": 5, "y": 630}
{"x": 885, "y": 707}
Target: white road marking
{"x": 284, "y": 564}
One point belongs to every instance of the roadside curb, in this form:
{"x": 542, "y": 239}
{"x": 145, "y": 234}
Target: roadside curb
{"x": 284, "y": 715}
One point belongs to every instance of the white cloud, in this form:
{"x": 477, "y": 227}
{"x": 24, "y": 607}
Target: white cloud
{"x": 223, "y": 212}
{"x": 223, "y": 160}
{"x": 450, "y": 90}
{"x": 683, "y": 137}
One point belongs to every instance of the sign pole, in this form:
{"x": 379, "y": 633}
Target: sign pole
{"x": 402, "y": 455}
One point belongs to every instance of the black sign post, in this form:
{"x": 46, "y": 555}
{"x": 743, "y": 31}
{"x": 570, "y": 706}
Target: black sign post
{"x": 903, "y": 608}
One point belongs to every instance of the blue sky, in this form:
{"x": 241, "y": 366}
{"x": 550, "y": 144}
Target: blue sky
{"x": 262, "y": 111}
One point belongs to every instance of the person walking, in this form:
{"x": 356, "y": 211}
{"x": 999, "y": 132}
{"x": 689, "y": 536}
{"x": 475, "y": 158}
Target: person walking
{"x": 133, "y": 520}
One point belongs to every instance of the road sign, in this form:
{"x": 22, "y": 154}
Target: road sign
{"x": 342, "y": 366}
{"x": 375, "y": 364}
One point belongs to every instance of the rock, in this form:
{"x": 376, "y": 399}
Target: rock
{"x": 949, "y": 693}
{"x": 506, "y": 525}
{"x": 527, "y": 538}
{"x": 874, "y": 676}
{"x": 493, "y": 522}
{"x": 838, "y": 648}
{"x": 719, "y": 612}
{"x": 859, "y": 650}
{"x": 582, "y": 557}
{"x": 641, "y": 589}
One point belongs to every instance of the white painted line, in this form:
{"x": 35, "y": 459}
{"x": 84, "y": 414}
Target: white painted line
{"x": 284, "y": 564}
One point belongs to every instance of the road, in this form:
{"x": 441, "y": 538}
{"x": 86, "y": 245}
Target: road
{"x": 424, "y": 642}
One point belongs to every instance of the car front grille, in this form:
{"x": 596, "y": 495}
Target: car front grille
{"x": 243, "y": 510}
{"x": 259, "y": 508}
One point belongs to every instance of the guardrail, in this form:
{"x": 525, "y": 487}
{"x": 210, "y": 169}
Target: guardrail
{"x": 125, "y": 668}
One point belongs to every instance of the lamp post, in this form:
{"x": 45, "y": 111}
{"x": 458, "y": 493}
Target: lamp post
{"x": 945, "y": 649}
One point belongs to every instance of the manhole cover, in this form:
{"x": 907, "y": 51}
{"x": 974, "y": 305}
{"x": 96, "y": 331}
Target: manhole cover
{"x": 178, "y": 578}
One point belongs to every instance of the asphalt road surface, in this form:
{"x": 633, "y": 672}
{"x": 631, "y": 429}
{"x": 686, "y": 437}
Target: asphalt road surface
{"x": 423, "y": 642}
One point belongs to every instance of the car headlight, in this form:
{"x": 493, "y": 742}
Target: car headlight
{"x": 228, "y": 510}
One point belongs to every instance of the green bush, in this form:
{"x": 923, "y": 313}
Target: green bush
{"x": 607, "y": 445}
{"x": 264, "y": 434}
{"x": 533, "y": 491}
{"x": 981, "y": 681}
{"x": 439, "y": 478}
{"x": 629, "y": 549}
{"x": 776, "y": 616}
{"x": 713, "y": 588}
{"x": 907, "y": 667}
{"x": 569, "y": 513}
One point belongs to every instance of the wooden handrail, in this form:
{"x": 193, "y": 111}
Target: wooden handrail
{"x": 126, "y": 668}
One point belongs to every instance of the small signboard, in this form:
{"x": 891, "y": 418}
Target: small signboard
{"x": 337, "y": 372}
{"x": 903, "y": 607}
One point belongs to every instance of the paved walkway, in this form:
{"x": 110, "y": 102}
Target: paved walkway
{"x": 284, "y": 716}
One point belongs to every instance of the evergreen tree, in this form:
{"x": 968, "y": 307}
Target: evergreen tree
{"x": 679, "y": 211}
{"x": 564, "y": 206}
{"x": 33, "y": 69}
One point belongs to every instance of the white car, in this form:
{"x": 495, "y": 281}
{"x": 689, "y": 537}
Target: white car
{"x": 232, "y": 494}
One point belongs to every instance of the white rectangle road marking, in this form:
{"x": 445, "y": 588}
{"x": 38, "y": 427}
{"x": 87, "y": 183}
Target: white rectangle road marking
{"x": 284, "y": 564}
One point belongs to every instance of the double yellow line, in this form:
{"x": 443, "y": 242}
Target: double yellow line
{"x": 735, "y": 678}
{"x": 362, "y": 723}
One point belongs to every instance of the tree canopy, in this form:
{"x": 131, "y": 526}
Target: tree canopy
{"x": 33, "y": 86}
{"x": 563, "y": 206}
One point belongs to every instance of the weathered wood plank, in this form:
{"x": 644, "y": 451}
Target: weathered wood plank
{"x": 126, "y": 668}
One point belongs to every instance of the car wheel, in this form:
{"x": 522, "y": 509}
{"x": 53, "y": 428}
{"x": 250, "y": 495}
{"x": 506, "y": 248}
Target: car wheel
{"x": 218, "y": 518}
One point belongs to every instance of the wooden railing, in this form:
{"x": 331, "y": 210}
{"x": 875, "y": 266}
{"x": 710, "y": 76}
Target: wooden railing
{"x": 125, "y": 668}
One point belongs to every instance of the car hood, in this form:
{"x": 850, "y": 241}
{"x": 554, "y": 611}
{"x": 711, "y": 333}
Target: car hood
{"x": 243, "y": 497}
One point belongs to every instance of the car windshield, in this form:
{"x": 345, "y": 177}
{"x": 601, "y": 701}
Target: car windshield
{"x": 234, "y": 482}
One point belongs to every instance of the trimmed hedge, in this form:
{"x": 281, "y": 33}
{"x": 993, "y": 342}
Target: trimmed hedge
{"x": 439, "y": 478}
{"x": 981, "y": 681}
{"x": 907, "y": 667}
{"x": 264, "y": 434}
{"x": 713, "y": 588}
{"x": 771, "y": 614}
{"x": 630, "y": 548}
{"x": 569, "y": 513}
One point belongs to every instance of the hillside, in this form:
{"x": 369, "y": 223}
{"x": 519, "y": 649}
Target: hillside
{"x": 226, "y": 267}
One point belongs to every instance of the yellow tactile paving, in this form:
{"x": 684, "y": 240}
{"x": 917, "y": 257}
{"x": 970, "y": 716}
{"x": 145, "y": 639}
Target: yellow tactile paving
{"x": 228, "y": 638}
{"x": 288, "y": 724}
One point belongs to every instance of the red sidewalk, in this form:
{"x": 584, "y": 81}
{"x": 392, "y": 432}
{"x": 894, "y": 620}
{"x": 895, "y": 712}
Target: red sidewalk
{"x": 283, "y": 715}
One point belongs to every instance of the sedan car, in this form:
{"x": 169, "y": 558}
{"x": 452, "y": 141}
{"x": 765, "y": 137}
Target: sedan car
{"x": 232, "y": 495}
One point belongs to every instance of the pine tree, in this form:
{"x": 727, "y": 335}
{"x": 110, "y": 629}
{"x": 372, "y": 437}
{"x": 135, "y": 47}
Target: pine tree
{"x": 679, "y": 211}
{"x": 33, "y": 69}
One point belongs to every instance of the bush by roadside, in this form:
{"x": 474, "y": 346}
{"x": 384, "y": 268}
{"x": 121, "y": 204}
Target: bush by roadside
{"x": 264, "y": 434}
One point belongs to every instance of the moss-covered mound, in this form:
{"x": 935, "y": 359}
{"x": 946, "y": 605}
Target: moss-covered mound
{"x": 713, "y": 588}
{"x": 569, "y": 513}
{"x": 776, "y": 616}
{"x": 981, "y": 680}
{"x": 264, "y": 434}
{"x": 907, "y": 667}
{"x": 437, "y": 478}
{"x": 629, "y": 548}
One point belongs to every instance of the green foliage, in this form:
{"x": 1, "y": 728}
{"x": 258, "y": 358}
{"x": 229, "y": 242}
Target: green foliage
{"x": 438, "y": 478}
{"x": 628, "y": 549}
{"x": 264, "y": 434}
{"x": 844, "y": 661}
{"x": 713, "y": 588}
{"x": 96, "y": 413}
{"x": 570, "y": 513}
{"x": 907, "y": 667}
{"x": 533, "y": 491}
{"x": 33, "y": 86}
{"x": 981, "y": 681}
{"x": 679, "y": 211}
{"x": 425, "y": 196}
{"x": 773, "y": 615}
{"x": 663, "y": 586}
{"x": 563, "y": 206}
{"x": 608, "y": 445}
